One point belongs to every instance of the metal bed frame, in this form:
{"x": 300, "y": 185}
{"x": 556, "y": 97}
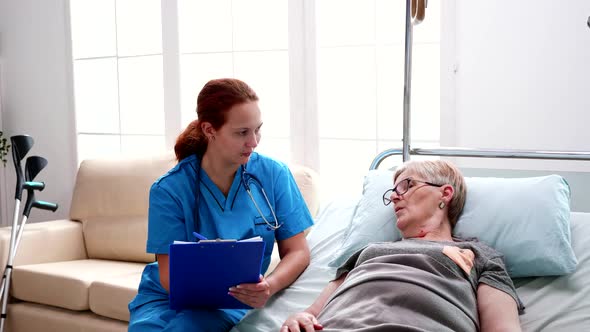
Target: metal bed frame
{"x": 415, "y": 13}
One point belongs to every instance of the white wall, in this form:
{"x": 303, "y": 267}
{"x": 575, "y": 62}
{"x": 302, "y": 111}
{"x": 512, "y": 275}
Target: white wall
{"x": 36, "y": 89}
{"x": 522, "y": 79}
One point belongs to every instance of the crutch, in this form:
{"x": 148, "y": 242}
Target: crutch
{"x": 21, "y": 145}
{"x": 33, "y": 166}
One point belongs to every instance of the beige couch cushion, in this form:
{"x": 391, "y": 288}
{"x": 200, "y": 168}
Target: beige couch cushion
{"x": 117, "y": 238}
{"x": 65, "y": 284}
{"x": 110, "y": 296}
{"x": 31, "y": 317}
{"x": 116, "y": 187}
{"x": 111, "y": 198}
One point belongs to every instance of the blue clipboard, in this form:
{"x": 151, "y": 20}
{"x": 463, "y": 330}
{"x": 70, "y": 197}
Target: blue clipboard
{"x": 201, "y": 273}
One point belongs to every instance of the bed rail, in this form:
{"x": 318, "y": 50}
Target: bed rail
{"x": 482, "y": 153}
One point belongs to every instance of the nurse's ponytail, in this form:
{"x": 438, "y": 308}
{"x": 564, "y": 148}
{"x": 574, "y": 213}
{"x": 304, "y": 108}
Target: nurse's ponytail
{"x": 191, "y": 141}
{"x": 214, "y": 101}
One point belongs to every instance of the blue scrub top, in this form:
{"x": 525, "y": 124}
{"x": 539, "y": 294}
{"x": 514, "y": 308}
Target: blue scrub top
{"x": 172, "y": 217}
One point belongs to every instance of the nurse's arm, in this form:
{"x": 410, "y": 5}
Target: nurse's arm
{"x": 294, "y": 254}
{"x": 163, "y": 268}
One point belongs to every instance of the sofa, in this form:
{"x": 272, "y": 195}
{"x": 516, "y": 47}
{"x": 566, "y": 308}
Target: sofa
{"x": 79, "y": 274}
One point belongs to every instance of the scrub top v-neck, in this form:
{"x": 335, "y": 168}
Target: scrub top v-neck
{"x": 209, "y": 189}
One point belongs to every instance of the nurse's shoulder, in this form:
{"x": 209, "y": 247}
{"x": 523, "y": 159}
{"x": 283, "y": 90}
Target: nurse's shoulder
{"x": 182, "y": 173}
{"x": 263, "y": 164}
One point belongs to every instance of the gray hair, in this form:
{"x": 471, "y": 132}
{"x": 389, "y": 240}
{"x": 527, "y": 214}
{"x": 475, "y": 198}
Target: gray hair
{"x": 440, "y": 172}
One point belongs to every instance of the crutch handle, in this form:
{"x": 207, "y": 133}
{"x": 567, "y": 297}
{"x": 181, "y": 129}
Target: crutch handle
{"x": 45, "y": 206}
{"x": 34, "y": 185}
{"x": 21, "y": 144}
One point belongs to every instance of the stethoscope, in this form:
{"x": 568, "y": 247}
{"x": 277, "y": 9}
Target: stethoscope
{"x": 248, "y": 181}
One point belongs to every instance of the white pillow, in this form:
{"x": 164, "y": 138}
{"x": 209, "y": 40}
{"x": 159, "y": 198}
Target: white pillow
{"x": 526, "y": 219}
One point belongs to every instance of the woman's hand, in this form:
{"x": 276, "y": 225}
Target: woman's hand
{"x": 254, "y": 295}
{"x": 301, "y": 321}
{"x": 306, "y": 320}
{"x": 294, "y": 255}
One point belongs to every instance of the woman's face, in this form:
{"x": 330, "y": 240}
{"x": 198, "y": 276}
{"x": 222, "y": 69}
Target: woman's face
{"x": 416, "y": 209}
{"x": 239, "y": 136}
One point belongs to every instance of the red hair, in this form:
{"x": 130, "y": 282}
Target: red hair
{"x": 216, "y": 98}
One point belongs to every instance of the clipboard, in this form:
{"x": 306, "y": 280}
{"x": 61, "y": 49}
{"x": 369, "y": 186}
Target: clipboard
{"x": 201, "y": 273}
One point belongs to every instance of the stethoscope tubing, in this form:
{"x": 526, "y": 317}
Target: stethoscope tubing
{"x": 246, "y": 179}
{"x": 276, "y": 225}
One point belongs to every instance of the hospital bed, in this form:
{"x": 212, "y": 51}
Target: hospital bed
{"x": 539, "y": 233}
{"x": 553, "y": 303}
{"x": 544, "y": 243}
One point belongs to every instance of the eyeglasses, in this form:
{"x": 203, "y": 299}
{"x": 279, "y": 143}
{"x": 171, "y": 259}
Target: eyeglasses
{"x": 402, "y": 187}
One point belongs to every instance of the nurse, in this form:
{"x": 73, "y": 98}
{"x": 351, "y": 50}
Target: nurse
{"x": 205, "y": 193}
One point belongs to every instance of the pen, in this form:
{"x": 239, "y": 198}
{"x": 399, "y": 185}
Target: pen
{"x": 199, "y": 236}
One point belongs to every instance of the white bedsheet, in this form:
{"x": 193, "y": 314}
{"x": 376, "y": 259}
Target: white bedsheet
{"x": 552, "y": 303}
{"x": 561, "y": 303}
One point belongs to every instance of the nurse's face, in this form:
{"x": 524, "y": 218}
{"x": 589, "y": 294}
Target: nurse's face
{"x": 239, "y": 136}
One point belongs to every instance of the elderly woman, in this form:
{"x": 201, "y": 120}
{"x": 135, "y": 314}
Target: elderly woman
{"x": 428, "y": 281}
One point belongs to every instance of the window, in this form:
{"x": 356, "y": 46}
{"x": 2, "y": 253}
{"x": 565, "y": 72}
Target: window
{"x": 329, "y": 74}
{"x": 360, "y": 61}
{"x": 243, "y": 39}
{"x": 118, "y": 76}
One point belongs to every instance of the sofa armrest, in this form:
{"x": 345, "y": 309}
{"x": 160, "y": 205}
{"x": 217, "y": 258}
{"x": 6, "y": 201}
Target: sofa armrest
{"x": 308, "y": 182}
{"x": 44, "y": 242}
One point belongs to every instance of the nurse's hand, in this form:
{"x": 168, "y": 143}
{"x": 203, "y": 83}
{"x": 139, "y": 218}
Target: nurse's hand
{"x": 254, "y": 295}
